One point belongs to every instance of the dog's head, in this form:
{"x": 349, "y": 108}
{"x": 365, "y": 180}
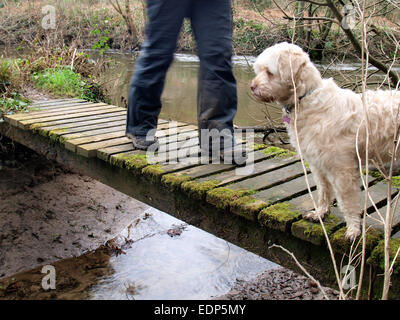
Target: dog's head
{"x": 277, "y": 69}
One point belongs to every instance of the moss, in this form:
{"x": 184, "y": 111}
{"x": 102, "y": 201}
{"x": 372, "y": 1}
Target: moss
{"x": 279, "y": 216}
{"x": 377, "y": 257}
{"x": 258, "y": 146}
{"x": 223, "y": 197}
{"x": 154, "y": 171}
{"x": 312, "y": 231}
{"x": 277, "y": 152}
{"x": 247, "y": 207}
{"x": 133, "y": 162}
{"x": 198, "y": 189}
{"x": 174, "y": 181}
{"x": 380, "y": 177}
{"x": 342, "y": 245}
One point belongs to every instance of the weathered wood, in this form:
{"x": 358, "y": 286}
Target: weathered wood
{"x": 270, "y": 178}
{"x": 58, "y": 102}
{"x": 259, "y": 168}
{"x": 78, "y": 122}
{"x": 54, "y": 111}
{"x": 284, "y": 191}
{"x": 106, "y": 134}
{"x": 25, "y": 124}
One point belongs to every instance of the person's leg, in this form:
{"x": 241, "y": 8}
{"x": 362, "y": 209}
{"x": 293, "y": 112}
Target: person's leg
{"x": 217, "y": 97}
{"x": 165, "y": 19}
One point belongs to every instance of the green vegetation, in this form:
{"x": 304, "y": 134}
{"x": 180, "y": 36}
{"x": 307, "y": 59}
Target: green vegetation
{"x": 279, "y": 216}
{"x": 61, "y": 82}
{"x": 378, "y": 257}
{"x": 277, "y": 152}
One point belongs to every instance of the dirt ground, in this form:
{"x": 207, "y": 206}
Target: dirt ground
{"x": 48, "y": 213}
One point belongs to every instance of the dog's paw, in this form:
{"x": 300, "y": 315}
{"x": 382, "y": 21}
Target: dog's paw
{"x": 352, "y": 233}
{"x": 314, "y": 215}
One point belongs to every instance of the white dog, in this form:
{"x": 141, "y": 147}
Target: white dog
{"x": 328, "y": 119}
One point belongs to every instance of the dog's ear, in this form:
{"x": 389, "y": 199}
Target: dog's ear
{"x": 290, "y": 64}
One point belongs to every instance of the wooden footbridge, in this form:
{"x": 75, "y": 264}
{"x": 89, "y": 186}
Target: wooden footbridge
{"x": 253, "y": 209}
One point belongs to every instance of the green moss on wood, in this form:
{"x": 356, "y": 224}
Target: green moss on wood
{"x": 174, "y": 181}
{"x": 342, "y": 245}
{"x": 223, "y": 197}
{"x": 197, "y": 189}
{"x": 258, "y": 146}
{"x": 377, "y": 257}
{"x": 133, "y": 162}
{"x": 247, "y": 207}
{"x": 153, "y": 170}
{"x": 279, "y": 216}
{"x": 380, "y": 177}
{"x": 277, "y": 152}
{"x": 312, "y": 231}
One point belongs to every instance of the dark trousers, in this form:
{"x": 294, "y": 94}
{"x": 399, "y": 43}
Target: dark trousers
{"x": 212, "y": 27}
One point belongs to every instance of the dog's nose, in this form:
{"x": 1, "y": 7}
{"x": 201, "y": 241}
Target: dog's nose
{"x": 253, "y": 87}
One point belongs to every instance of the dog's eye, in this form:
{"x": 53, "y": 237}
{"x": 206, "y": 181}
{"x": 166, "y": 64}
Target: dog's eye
{"x": 270, "y": 74}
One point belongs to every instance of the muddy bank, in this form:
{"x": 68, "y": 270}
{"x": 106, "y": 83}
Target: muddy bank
{"x": 48, "y": 213}
{"x": 278, "y": 284}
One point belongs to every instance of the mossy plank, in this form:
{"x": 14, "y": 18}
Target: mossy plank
{"x": 108, "y": 152}
{"x": 223, "y": 197}
{"x": 247, "y": 207}
{"x": 270, "y": 178}
{"x": 312, "y": 231}
{"x": 77, "y": 107}
{"x": 287, "y": 190}
{"x": 377, "y": 257}
{"x": 198, "y": 190}
{"x": 259, "y": 167}
{"x": 86, "y": 121}
{"x": 174, "y": 181}
{"x": 279, "y": 216}
{"x": 80, "y": 115}
{"x": 341, "y": 245}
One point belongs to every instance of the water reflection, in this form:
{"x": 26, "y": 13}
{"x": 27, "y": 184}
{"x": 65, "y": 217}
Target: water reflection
{"x": 171, "y": 260}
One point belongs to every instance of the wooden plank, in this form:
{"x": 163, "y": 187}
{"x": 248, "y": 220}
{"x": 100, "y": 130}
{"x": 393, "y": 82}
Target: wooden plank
{"x": 87, "y": 120}
{"x": 378, "y": 193}
{"x": 66, "y": 110}
{"x": 90, "y": 149}
{"x": 14, "y": 120}
{"x": 55, "y": 102}
{"x": 104, "y": 111}
{"x": 58, "y": 106}
{"x": 105, "y": 134}
{"x": 284, "y": 191}
{"x": 270, "y": 178}
{"x": 106, "y": 152}
{"x": 102, "y": 134}
{"x": 77, "y": 125}
{"x": 79, "y": 131}
{"x": 259, "y": 168}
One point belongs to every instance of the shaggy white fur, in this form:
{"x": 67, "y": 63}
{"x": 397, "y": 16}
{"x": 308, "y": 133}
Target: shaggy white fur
{"x": 328, "y": 118}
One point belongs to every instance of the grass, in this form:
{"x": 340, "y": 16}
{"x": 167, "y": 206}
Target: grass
{"x": 65, "y": 82}
{"x": 60, "y": 81}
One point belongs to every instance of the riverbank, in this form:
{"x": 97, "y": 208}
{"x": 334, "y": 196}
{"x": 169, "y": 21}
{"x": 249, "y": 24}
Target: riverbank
{"x": 96, "y": 24}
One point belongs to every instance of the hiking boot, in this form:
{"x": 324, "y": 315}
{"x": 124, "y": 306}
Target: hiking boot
{"x": 143, "y": 142}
